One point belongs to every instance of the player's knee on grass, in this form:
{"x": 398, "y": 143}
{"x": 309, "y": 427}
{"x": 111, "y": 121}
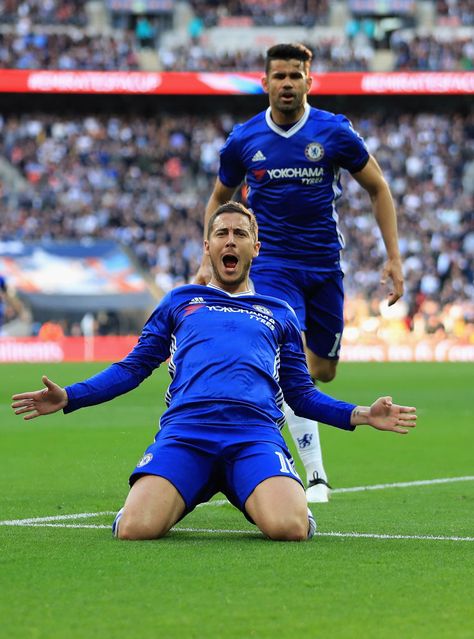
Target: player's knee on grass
{"x": 292, "y": 527}
{"x": 133, "y": 529}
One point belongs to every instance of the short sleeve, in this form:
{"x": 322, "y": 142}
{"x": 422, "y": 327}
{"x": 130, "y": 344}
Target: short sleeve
{"x": 232, "y": 170}
{"x": 351, "y": 153}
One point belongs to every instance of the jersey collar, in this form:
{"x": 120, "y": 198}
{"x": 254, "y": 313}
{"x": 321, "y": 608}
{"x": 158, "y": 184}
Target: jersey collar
{"x": 249, "y": 292}
{"x": 294, "y": 129}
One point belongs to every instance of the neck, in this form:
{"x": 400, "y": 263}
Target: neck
{"x": 283, "y": 118}
{"x": 234, "y": 288}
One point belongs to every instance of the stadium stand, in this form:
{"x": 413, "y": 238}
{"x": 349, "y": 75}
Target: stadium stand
{"x": 208, "y": 36}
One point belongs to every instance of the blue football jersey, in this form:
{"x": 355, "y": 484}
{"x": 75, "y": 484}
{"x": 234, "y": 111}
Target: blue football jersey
{"x": 232, "y": 359}
{"x": 293, "y": 179}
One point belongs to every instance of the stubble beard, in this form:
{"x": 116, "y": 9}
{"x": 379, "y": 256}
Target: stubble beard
{"x": 229, "y": 282}
{"x": 290, "y": 111}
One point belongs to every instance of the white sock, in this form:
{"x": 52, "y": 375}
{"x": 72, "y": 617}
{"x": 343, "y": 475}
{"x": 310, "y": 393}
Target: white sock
{"x": 305, "y": 434}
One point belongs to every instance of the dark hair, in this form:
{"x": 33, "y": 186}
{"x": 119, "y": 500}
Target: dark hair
{"x": 234, "y": 207}
{"x": 294, "y": 51}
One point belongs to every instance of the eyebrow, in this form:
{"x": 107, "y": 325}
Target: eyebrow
{"x": 236, "y": 228}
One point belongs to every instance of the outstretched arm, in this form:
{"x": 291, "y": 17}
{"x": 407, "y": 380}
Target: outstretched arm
{"x": 41, "y": 402}
{"x": 308, "y": 401}
{"x": 372, "y": 180}
{"x": 385, "y": 415}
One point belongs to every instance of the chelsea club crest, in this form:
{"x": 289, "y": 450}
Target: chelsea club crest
{"x": 314, "y": 151}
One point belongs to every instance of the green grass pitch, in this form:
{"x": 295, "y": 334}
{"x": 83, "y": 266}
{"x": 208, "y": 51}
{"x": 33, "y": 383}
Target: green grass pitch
{"x": 217, "y": 576}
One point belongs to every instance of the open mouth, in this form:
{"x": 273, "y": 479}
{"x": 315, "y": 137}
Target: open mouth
{"x": 230, "y": 262}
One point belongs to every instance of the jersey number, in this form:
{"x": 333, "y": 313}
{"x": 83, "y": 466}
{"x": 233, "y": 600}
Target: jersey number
{"x": 286, "y": 466}
{"x": 335, "y": 349}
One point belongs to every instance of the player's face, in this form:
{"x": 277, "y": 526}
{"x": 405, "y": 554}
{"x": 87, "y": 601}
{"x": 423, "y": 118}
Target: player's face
{"x": 287, "y": 84}
{"x": 231, "y": 247}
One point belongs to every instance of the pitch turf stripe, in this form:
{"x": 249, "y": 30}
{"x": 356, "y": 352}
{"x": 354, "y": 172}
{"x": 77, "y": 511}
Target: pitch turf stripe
{"x": 255, "y": 533}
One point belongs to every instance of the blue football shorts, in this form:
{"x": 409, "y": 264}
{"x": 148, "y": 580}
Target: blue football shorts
{"x": 201, "y": 461}
{"x": 316, "y": 297}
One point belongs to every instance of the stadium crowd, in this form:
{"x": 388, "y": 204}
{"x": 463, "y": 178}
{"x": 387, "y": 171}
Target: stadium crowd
{"x": 432, "y": 54}
{"x": 25, "y": 44}
{"x": 306, "y": 13}
{"x": 144, "y": 182}
{"x": 75, "y": 51}
{"x": 455, "y": 12}
{"x": 23, "y": 13}
{"x": 81, "y": 51}
{"x": 329, "y": 55}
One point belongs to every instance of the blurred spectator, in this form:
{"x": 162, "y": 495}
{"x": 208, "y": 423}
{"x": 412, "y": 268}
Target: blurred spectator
{"x": 145, "y": 33}
{"x": 51, "y": 331}
{"x": 11, "y": 307}
{"x": 195, "y": 29}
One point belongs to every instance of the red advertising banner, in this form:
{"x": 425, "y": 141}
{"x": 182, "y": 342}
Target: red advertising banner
{"x": 68, "y": 349}
{"x": 187, "y": 83}
{"x": 111, "y": 349}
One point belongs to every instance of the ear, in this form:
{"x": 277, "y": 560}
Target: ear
{"x": 206, "y": 247}
{"x": 264, "y": 81}
{"x": 309, "y": 82}
{"x": 256, "y": 248}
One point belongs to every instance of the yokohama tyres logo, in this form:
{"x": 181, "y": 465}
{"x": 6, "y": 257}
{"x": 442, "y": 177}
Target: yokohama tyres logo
{"x": 295, "y": 172}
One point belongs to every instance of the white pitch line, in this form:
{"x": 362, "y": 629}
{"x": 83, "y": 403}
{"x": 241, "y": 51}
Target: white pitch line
{"x": 359, "y": 489}
{"x": 51, "y": 525}
{"x": 387, "y": 536}
{"x": 38, "y": 520}
{"x": 404, "y": 484}
{"x": 221, "y": 502}
{"x": 256, "y": 532}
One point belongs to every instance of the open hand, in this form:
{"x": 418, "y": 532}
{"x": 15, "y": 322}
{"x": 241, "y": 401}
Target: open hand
{"x": 41, "y": 402}
{"x": 385, "y": 415}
